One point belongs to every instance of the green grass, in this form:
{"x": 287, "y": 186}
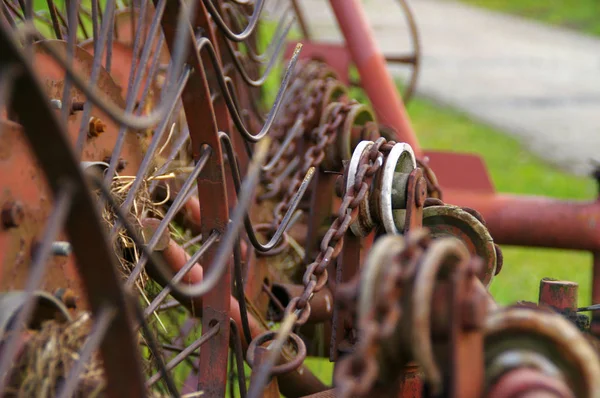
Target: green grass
{"x": 513, "y": 169}
{"x": 581, "y": 15}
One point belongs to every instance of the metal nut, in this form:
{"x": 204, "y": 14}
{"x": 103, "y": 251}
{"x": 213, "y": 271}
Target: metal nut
{"x": 67, "y": 296}
{"x": 12, "y": 214}
{"x": 96, "y": 127}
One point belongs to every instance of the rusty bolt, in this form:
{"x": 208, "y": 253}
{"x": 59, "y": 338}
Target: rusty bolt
{"x": 77, "y": 106}
{"x": 12, "y": 214}
{"x": 121, "y": 164}
{"x": 67, "y": 296}
{"x": 420, "y": 192}
{"x": 96, "y": 127}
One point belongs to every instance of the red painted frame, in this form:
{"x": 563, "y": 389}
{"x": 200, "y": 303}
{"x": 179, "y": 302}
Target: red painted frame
{"x": 512, "y": 219}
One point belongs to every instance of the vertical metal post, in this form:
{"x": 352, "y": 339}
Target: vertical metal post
{"x": 375, "y": 77}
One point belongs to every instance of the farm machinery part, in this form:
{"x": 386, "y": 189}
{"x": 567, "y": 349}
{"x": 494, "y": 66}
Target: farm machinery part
{"x": 157, "y": 221}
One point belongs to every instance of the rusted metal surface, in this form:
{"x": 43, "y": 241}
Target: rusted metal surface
{"x": 561, "y": 295}
{"x": 218, "y": 211}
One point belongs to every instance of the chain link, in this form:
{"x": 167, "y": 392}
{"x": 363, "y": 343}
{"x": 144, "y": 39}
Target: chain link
{"x": 358, "y": 372}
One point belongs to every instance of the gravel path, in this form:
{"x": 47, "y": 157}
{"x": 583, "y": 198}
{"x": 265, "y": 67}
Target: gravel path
{"x": 538, "y": 83}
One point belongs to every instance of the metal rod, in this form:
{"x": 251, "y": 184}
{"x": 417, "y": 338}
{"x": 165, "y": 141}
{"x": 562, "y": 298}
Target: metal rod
{"x": 181, "y": 273}
{"x": 238, "y": 354}
{"x": 239, "y": 290}
{"x": 185, "y": 353}
{"x": 205, "y": 44}
{"x": 93, "y": 79}
{"x": 173, "y": 210}
{"x": 243, "y": 35}
{"x": 154, "y": 349}
{"x": 294, "y": 202}
{"x": 111, "y": 109}
{"x": 73, "y": 6}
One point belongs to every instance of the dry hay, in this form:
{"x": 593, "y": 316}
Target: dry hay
{"x": 49, "y": 355}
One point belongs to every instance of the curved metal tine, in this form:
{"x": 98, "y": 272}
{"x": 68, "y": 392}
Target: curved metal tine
{"x": 109, "y": 40}
{"x": 92, "y": 342}
{"x": 274, "y": 187}
{"x": 262, "y": 118}
{"x": 235, "y": 173}
{"x": 234, "y": 12}
{"x": 94, "y": 17}
{"x": 236, "y": 55}
{"x": 195, "y": 240}
{"x": 113, "y": 111}
{"x": 154, "y": 349}
{"x": 185, "y": 353}
{"x": 72, "y": 11}
{"x": 149, "y": 156}
{"x": 5, "y": 13}
{"x": 236, "y": 343}
{"x": 219, "y": 264}
{"x": 135, "y": 79}
{"x": 152, "y": 71}
{"x": 243, "y": 35}
{"x": 294, "y": 133}
{"x": 223, "y": 254}
{"x": 54, "y": 18}
{"x": 60, "y": 212}
{"x": 154, "y": 305}
{"x": 173, "y": 210}
{"x": 204, "y": 43}
{"x": 94, "y": 75}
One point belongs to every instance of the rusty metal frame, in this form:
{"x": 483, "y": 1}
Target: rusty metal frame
{"x": 512, "y": 219}
{"x": 83, "y": 225}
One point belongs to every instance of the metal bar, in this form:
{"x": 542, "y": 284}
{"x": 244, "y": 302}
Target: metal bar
{"x": 112, "y": 110}
{"x": 135, "y": 78}
{"x": 180, "y": 274}
{"x": 149, "y": 156}
{"x": 200, "y": 115}
{"x": 93, "y": 79}
{"x": 186, "y": 352}
{"x": 173, "y": 210}
{"x": 154, "y": 349}
{"x": 375, "y": 77}
{"x": 535, "y": 221}
{"x": 238, "y": 354}
{"x": 73, "y": 6}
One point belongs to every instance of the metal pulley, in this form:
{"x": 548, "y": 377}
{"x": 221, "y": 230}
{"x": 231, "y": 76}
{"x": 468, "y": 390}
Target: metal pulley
{"x": 396, "y": 189}
{"x": 465, "y": 225}
{"x": 534, "y": 352}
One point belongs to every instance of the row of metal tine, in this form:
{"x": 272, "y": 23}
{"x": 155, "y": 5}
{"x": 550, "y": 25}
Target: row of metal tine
{"x": 237, "y": 21}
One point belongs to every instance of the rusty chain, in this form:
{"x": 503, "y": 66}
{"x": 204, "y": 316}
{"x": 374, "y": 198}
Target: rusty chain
{"x": 358, "y": 371}
{"x": 315, "y": 277}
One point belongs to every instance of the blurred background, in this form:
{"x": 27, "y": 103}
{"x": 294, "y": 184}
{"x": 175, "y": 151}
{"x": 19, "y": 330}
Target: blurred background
{"x": 514, "y": 81}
